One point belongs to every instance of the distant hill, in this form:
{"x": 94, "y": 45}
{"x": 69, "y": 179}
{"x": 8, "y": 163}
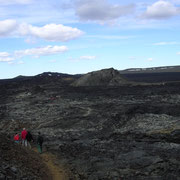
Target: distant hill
{"x": 151, "y": 70}
{"x": 152, "y": 75}
{"x": 44, "y": 78}
{"x": 22, "y": 77}
{"x": 105, "y": 77}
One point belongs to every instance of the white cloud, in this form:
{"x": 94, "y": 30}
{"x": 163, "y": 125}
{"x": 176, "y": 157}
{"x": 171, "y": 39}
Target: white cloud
{"x": 49, "y": 32}
{"x": 35, "y": 52}
{"x": 20, "y": 62}
{"x": 165, "y": 43}
{"x": 81, "y": 58}
{"x": 178, "y": 53}
{"x": 31, "y": 40}
{"x": 101, "y": 10}
{"x": 110, "y": 37}
{"x": 53, "y": 61}
{"x": 161, "y": 10}
{"x": 176, "y": 1}
{"x": 52, "y": 32}
{"x": 5, "y": 57}
{"x": 132, "y": 58}
{"x": 4, "y": 54}
{"x": 41, "y": 51}
{"x": 10, "y": 62}
{"x": 150, "y": 59}
{"x": 7, "y": 27}
{"x": 87, "y": 57}
{"x": 8, "y": 2}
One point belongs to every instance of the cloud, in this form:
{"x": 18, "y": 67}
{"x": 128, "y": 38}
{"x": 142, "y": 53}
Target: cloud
{"x": 161, "y": 10}
{"x": 7, "y": 27}
{"x": 51, "y": 32}
{"x": 9, "y": 2}
{"x": 150, "y": 59}
{"x": 132, "y": 58}
{"x": 87, "y": 57}
{"x": 5, "y": 57}
{"x": 178, "y": 53}
{"x": 10, "y": 62}
{"x": 176, "y": 1}
{"x": 35, "y": 52}
{"x": 53, "y": 61}
{"x": 20, "y": 62}
{"x": 165, "y": 43}
{"x": 41, "y": 51}
{"x": 110, "y": 37}
{"x": 101, "y": 10}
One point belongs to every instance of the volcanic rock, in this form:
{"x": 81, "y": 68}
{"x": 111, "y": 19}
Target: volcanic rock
{"x": 105, "y": 77}
{"x": 99, "y": 132}
{"x": 20, "y": 163}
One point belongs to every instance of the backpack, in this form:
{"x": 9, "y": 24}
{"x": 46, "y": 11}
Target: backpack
{"x": 29, "y": 137}
{"x": 40, "y": 139}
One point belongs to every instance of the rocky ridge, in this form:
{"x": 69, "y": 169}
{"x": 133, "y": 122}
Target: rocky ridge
{"x": 105, "y": 77}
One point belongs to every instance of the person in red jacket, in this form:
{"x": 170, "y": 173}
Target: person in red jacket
{"x": 16, "y": 138}
{"x": 23, "y": 137}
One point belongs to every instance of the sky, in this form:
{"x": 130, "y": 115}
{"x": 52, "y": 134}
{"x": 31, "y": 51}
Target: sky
{"x": 80, "y": 36}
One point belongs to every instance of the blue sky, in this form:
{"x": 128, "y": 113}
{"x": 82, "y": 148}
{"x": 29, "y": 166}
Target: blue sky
{"x": 79, "y": 36}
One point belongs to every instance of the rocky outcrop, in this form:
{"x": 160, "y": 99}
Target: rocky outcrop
{"x": 105, "y": 77}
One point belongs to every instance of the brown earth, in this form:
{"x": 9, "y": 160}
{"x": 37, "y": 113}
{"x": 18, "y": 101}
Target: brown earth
{"x": 56, "y": 170}
{"x": 18, "y": 162}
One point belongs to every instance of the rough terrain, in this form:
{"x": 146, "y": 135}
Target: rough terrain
{"x": 18, "y": 162}
{"x": 106, "y": 132}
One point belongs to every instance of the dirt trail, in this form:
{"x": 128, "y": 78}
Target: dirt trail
{"x": 56, "y": 170}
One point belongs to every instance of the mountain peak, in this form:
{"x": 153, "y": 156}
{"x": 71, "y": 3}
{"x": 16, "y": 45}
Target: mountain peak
{"x": 104, "y": 77}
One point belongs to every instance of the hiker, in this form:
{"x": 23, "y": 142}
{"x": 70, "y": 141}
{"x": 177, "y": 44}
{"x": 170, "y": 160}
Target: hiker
{"x": 29, "y": 138}
{"x": 39, "y": 142}
{"x": 16, "y": 138}
{"x": 23, "y": 137}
